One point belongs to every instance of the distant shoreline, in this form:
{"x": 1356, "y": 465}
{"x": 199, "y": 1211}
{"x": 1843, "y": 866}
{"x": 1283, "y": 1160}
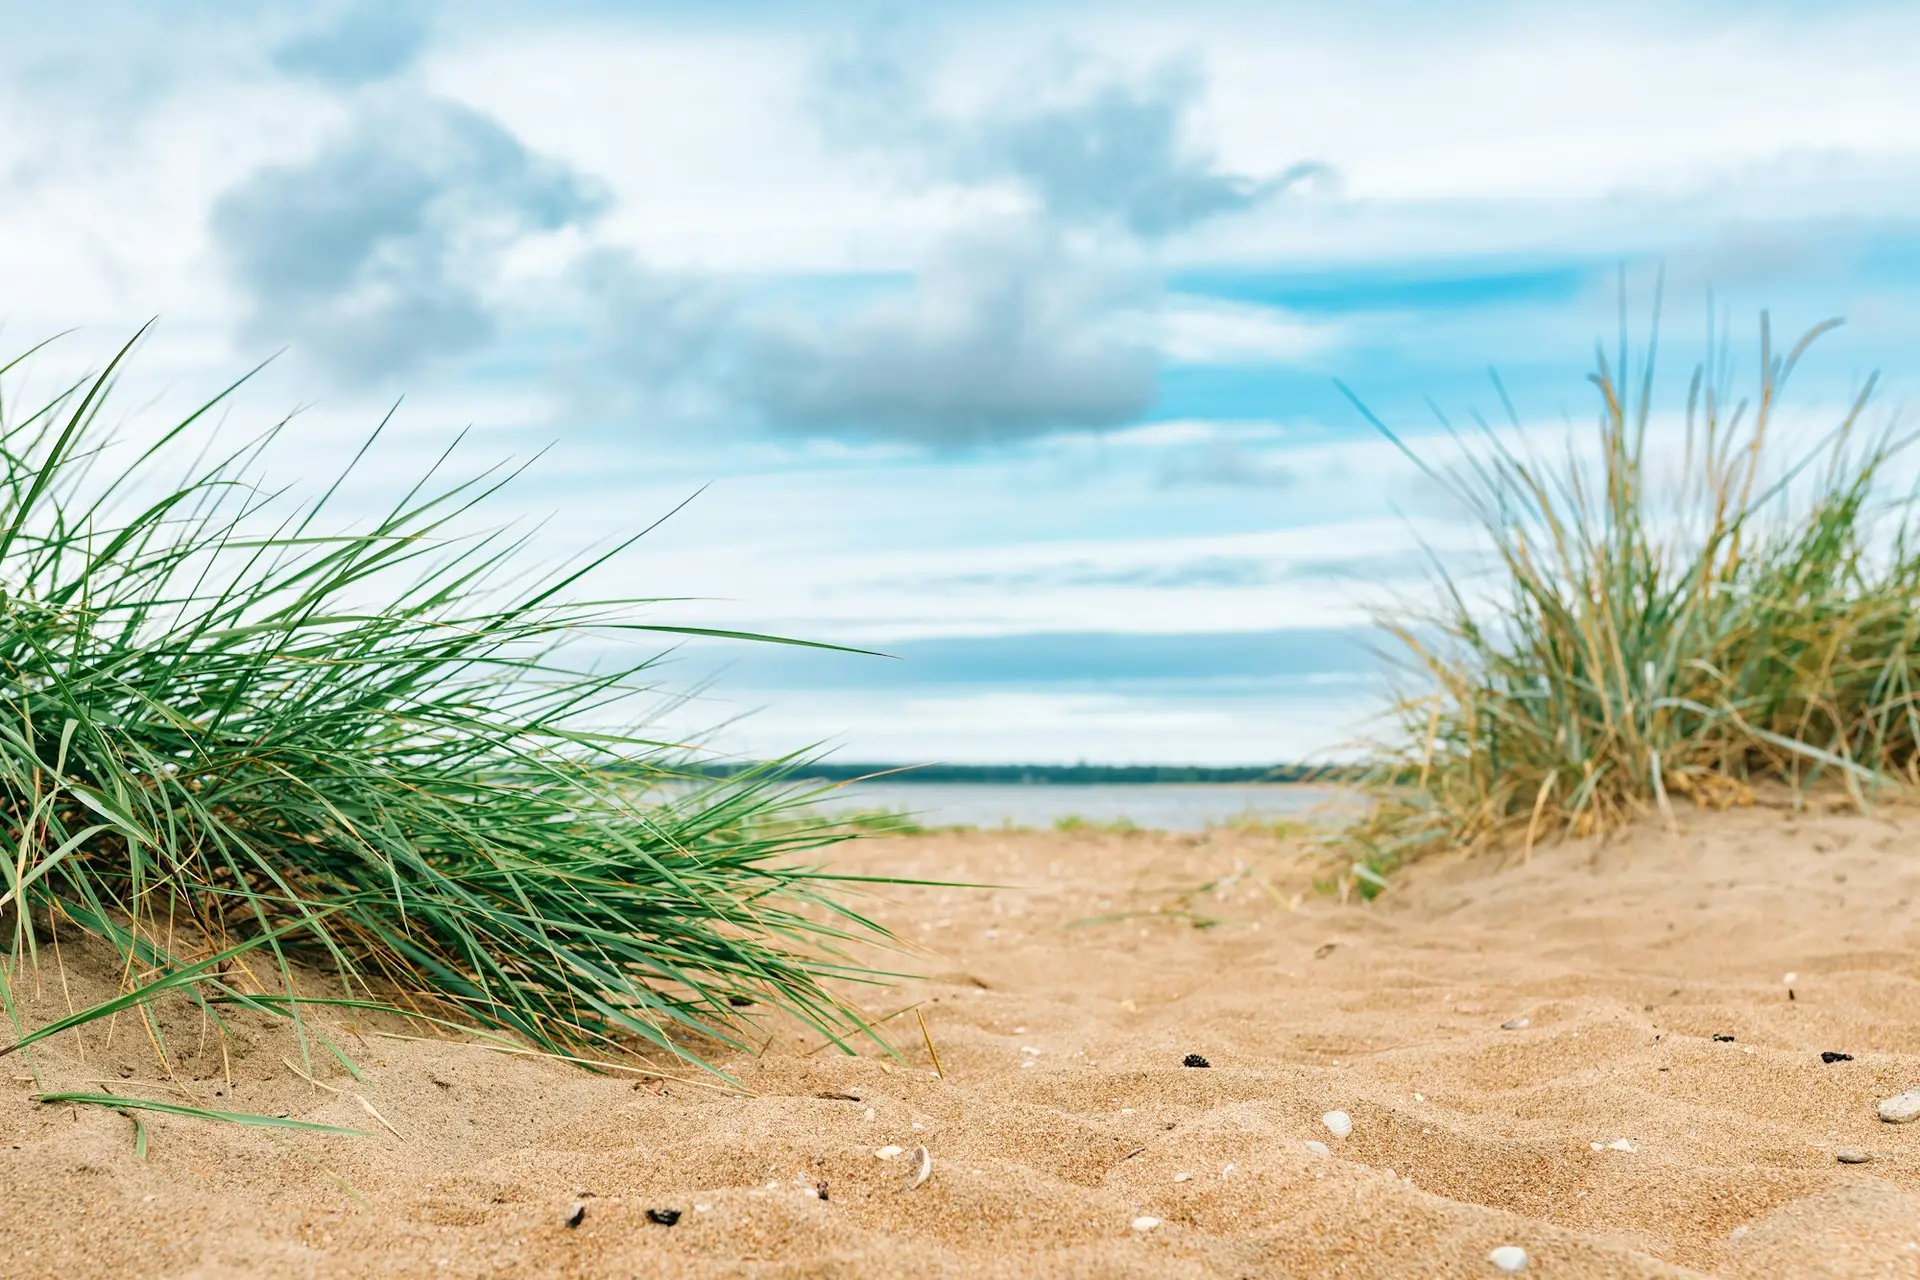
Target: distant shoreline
{"x": 1058, "y": 775}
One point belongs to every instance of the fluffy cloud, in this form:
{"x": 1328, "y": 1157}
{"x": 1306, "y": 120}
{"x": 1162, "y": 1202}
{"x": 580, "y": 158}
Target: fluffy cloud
{"x": 1006, "y": 335}
{"x": 1089, "y": 145}
{"x": 1011, "y": 334}
{"x": 375, "y": 255}
{"x": 1104, "y": 148}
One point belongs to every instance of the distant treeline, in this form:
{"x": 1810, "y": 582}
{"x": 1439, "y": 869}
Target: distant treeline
{"x": 1058, "y": 775}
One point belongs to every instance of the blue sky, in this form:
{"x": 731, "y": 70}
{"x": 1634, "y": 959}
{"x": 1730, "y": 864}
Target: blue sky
{"x": 1002, "y": 338}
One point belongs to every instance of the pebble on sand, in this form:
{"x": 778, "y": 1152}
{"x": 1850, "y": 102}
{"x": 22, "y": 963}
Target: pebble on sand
{"x": 889, "y": 1151}
{"x": 1901, "y": 1108}
{"x": 663, "y": 1217}
{"x": 1509, "y": 1258}
{"x": 576, "y": 1214}
{"x": 1144, "y": 1223}
{"x": 1830, "y": 1057}
{"x": 1852, "y": 1157}
{"x": 1338, "y": 1123}
{"x": 1516, "y": 1024}
{"x": 1194, "y": 1060}
{"x": 1318, "y": 1148}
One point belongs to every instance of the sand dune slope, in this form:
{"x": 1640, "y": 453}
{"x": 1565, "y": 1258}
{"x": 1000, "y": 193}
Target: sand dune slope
{"x": 1061, "y": 1008}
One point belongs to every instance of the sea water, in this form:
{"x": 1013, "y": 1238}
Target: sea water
{"x": 1163, "y": 806}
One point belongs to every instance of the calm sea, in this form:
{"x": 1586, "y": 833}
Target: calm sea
{"x": 1162, "y": 806}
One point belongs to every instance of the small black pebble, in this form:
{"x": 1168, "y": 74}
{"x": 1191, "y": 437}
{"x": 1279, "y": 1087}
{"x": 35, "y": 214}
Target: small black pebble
{"x": 1831, "y": 1057}
{"x": 821, "y": 1187}
{"x": 578, "y": 1215}
{"x": 1194, "y": 1060}
{"x": 665, "y": 1217}
{"x": 1789, "y": 993}
{"x": 1723, "y": 1039}
{"x": 839, "y": 1097}
{"x": 740, "y": 1002}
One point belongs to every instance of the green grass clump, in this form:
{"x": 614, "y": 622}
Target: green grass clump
{"x": 238, "y": 741}
{"x": 1751, "y": 621}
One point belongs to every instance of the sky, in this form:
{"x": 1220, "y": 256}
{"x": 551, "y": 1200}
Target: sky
{"x": 1004, "y": 340}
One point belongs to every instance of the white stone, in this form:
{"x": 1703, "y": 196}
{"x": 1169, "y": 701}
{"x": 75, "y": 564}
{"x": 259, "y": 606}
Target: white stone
{"x": 1338, "y": 1123}
{"x": 1516, "y": 1024}
{"x": 1509, "y": 1258}
{"x": 1901, "y": 1108}
{"x": 1621, "y": 1144}
{"x": 1183, "y": 1176}
{"x": 1318, "y": 1148}
{"x": 889, "y": 1151}
{"x": 1145, "y": 1223}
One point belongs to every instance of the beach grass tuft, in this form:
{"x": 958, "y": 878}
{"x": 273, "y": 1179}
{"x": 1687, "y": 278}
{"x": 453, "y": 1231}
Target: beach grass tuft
{"x": 1666, "y": 625}
{"x": 246, "y": 739}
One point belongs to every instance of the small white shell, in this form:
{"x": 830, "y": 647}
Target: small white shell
{"x": 923, "y": 1168}
{"x": 1338, "y": 1123}
{"x": 1509, "y": 1258}
{"x": 1144, "y": 1223}
{"x": 889, "y": 1151}
{"x": 1318, "y": 1148}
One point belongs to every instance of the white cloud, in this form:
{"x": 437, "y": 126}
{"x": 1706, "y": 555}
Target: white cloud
{"x": 1195, "y": 330}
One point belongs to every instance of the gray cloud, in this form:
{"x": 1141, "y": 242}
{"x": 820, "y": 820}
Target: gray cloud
{"x": 375, "y": 255}
{"x": 1022, "y": 332}
{"x": 661, "y": 335}
{"x": 1092, "y": 146}
{"x": 366, "y": 41}
{"x": 1005, "y": 336}
{"x": 1116, "y": 150}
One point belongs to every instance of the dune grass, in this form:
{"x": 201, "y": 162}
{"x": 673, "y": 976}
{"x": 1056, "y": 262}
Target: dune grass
{"x": 241, "y": 742}
{"x": 1656, "y": 629}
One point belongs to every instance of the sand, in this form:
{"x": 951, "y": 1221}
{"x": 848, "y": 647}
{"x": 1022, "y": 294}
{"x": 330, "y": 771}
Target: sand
{"x": 1061, "y": 1008}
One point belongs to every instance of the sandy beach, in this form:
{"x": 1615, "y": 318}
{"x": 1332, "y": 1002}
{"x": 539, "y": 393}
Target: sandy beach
{"x": 1662, "y": 1110}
